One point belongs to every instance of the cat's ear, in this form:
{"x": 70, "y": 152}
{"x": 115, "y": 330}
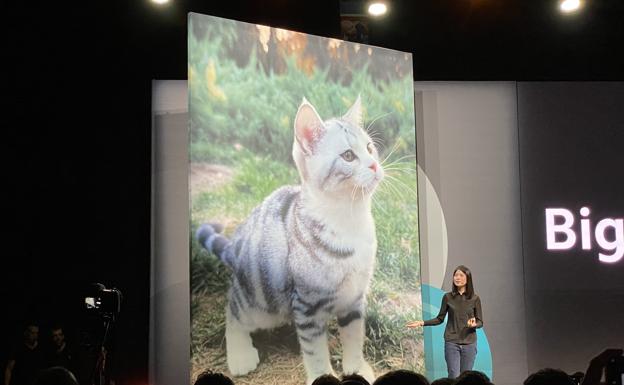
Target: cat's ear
{"x": 309, "y": 127}
{"x": 354, "y": 115}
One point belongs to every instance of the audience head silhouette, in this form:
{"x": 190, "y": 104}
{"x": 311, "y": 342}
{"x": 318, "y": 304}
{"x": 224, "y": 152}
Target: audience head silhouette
{"x": 209, "y": 377}
{"x": 353, "y": 379}
{"x": 56, "y": 375}
{"x": 472, "y": 377}
{"x": 401, "y": 377}
{"x": 549, "y": 376}
{"x": 444, "y": 381}
{"x": 326, "y": 379}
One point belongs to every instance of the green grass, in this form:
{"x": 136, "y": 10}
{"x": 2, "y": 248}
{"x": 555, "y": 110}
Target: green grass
{"x": 255, "y": 178}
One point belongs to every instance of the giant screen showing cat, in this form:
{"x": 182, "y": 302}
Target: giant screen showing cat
{"x": 304, "y": 238}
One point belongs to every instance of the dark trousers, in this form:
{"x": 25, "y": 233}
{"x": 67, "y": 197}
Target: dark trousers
{"x": 459, "y": 358}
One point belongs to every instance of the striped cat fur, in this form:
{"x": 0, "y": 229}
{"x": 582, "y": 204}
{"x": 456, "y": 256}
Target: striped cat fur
{"x": 307, "y": 253}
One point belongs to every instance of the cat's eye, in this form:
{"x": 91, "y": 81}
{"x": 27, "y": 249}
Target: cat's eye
{"x": 370, "y": 148}
{"x": 348, "y": 155}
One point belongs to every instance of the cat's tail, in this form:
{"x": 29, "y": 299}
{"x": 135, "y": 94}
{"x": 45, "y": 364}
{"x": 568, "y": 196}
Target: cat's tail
{"x": 208, "y": 235}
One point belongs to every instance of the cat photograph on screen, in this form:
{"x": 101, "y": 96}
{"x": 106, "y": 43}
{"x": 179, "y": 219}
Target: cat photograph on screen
{"x": 307, "y": 253}
{"x": 303, "y": 205}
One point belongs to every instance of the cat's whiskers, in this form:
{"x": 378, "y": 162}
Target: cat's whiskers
{"x": 407, "y": 168}
{"x": 394, "y": 148}
{"x": 376, "y": 201}
{"x": 398, "y": 160}
{"x": 377, "y": 118}
{"x": 402, "y": 184}
{"x": 400, "y": 171}
{"x": 378, "y": 205}
{"x": 375, "y": 135}
{"x": 391, "y": 185}
{"x": 378, "y": 142}
{"x": 353, "y": 191}
{"x": 399, "y": 165}
{"x": 391, "y": 190}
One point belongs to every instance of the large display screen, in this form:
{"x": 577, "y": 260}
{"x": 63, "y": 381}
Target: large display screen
{"x": 572, "y": 188}
{"x": 304, "y": 238}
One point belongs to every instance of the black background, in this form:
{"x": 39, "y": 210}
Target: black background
{"x": 570, "y": 157}
{"x": 76, "y": 116}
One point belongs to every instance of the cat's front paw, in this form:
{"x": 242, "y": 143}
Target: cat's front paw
{"x": 242, "y": 361}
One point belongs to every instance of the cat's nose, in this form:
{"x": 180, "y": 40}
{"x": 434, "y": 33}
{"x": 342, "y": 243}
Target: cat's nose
{"x": 373, "y": 167}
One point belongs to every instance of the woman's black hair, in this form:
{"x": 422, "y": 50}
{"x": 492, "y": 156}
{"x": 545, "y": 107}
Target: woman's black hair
{"x": 469, "y": 287}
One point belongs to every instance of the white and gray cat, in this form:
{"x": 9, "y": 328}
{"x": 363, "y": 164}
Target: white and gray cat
{"x": 307, "y": 253}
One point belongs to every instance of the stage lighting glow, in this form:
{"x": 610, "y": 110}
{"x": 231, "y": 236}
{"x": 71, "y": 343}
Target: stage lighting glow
{"x": 568, "y": 6}
{"x": 377, "y": 9}
{"x": 160, "y": 1}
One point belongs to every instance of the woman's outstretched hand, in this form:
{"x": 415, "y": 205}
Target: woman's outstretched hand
{"x": 415, "y": 324}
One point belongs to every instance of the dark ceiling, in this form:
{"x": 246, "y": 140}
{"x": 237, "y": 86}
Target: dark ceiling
{"x": 450, "y": 39}
{"x": 77, "y": 86}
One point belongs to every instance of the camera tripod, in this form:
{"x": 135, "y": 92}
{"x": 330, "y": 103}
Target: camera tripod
{"x": 98, "y": 377}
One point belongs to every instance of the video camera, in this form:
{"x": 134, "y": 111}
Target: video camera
{"x": 103, "y": 302}
{"x": 101, "y": 306}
